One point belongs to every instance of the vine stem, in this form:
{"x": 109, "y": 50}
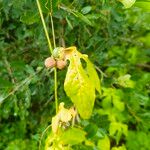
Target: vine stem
{"x": 55, "y": 69}
{"x": 44, "y": 26}
{"x": 56, "y": 98}
{"x": 50, "y": 46}
{"x": 52, "y": 25}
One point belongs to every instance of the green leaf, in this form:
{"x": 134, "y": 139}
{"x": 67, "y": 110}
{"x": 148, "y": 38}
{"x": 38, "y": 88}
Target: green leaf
{"x": 80, "y": 84}
{"x": 91, "y": 130}
{"x": 104, "y": 144}
{"x": 69, "y": 23}
{"x": 46, "y": 5}
{"x": 86, "y": 9}
{"x": 73, "y": 136}
{"x": 117, "y": 128}
{"x": 78, "y": 14}
{"x": 5, "y": 83}
{"x": 145, "y": 5}
{"x": 138, "y": 139}
{"x": 119, "y": 148}
{"x": 118, "y": 103}
{"x": 127, "y": 3}
{"x": 29, "y": 17}
{"x": 125, "y": 81}
{"x": 83, "y": 18}
{"x": 112, "y": 96}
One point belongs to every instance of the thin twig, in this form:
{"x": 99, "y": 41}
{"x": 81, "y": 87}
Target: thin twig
{"x": 52, "y": 24}
{"x": 40, "y": 142}
{"x": 18, "y": 87}
{"x": 146, "y": 66}
{"x": 44, "y": 26}
{"x": 133, "y": 113}
{"x": 8, "y": 67}
{"x": 101, "y": 72}
{"x": 98, "y": 69}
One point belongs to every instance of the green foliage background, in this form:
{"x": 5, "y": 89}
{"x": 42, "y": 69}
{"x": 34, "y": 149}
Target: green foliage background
{"x": 117, "y": 41}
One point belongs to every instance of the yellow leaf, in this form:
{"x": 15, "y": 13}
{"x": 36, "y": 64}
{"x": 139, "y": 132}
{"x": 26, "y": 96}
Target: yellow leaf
{"x": 63, "y": 115}
{"x": 81, "y": 83}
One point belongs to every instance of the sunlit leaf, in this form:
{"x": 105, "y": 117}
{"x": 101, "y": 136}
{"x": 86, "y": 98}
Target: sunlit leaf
{"x": 119, "y": 148}
{"x": 113, "y": 96}
{"x": 63, "y": 115}
{"x": 93, "y": 74}
{"x": 117, "y": 129}
{"x": 73, "y": 136}
{"x": 79, "y": 84}
{"x": 118, "y": 103}
{"x": 145, "y": 5}
{"x": 127, "y": 3}
{"x": 125, "y": 81}
{"x": 104, "y": 144}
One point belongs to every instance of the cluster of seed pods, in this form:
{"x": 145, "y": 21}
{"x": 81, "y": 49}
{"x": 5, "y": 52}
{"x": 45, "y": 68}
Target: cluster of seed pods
{"x": 57, "y": 59}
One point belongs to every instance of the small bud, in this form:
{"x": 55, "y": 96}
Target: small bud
{"x": 50, "y": 62}
{"x": 61, "y": 64}
{"x": 58, "y": 53}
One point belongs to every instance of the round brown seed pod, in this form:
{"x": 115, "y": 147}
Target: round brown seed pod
{"x": 61, "y": 64}
{"x": 50, "y": 62}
